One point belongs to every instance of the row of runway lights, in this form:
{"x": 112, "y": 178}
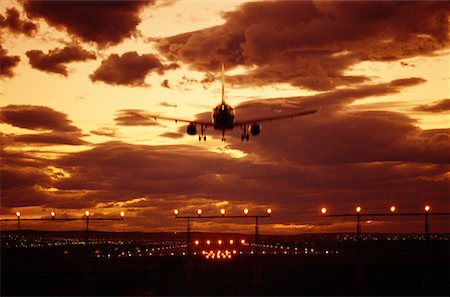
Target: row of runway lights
{"x": 358, "y": 209}
{"x": 219, "y": 242}
{"x": 176, "y": 212}
{"x": 324, "y": 210}
{"x": 86, "y": 213}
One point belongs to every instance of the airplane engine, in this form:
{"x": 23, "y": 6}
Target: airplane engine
{"x": 191, "y": 129}
{"x": 255, "y": 129}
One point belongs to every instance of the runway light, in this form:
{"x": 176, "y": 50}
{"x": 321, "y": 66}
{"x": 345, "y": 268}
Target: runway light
{"x": 199, "y": 212}
{"x": 18, "y": 214}
{"x": 269, "y": 211}
{"x": 87, "y": 213}
{"x": 122, "y": 214}
{"x": 175, "y": 212}
{"x": 358, "y": 209}
{"x": 323, "y": 210}
{"x": 392, "y": 209}
{"x": 427, "y": 208}
{"x": 222, "y": 211}
{"x": 246, "y": 211}
{"x": 53, "y": 214}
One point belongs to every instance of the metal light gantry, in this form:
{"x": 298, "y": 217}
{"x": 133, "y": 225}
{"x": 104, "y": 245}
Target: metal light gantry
{"x": 221, "y": 216}
{"x": 87, "y": 218}
{"x": 392, "y": 210}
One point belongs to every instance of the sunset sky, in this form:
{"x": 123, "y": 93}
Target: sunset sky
{"x": 77, "y": 79}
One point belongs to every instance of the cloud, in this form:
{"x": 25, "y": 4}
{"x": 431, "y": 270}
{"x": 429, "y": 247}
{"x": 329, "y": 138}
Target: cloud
{"x": 54, "y": 61}
{"x": 102, "y": 22}
{"x": 165, "y": 84}
{"x": 162, "y": 178}
{"x": 439, "y": 106}
{"x": 134, "y": 117}
{"x": 13, "y": 22}
{"x": 166, "y": 104}
{"x": 7, "y": 63}
{"x": 311, "y": 44}
{"x": 105, "y": 131}
{"x": 173, "y": 135}
{"x": 36, "y": 117}
{"x": 39, "y": 118}
{"x": 51, "y": 138}
{"x": 21, "y": 174}
{"x": 129, "y": 69}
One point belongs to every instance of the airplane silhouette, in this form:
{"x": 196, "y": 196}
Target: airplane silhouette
{"x": 223, "y": 119}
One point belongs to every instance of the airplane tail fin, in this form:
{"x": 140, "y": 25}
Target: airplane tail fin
{"x": 223, "y": 84}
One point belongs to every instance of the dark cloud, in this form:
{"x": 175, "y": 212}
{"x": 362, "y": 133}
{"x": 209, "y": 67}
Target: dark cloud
{"x": 165, "y": 84}
{"x": 35, "y": 117}
{"x": 437, "y": 107}
{"x": 166, "y": 104}
{"x": 51, "y": 138}
{"x": 134, "y": 117}
{"x": 105, "y": 131}
{"x": 311, "y": 44}
{"x": 54, "y": 61}
{"x": 160, "y": 178}
{"x": 329, "y": 102}
{"x": 173, "y": 135}
{"x": 129, "y": 69}
{"x": 22, "y": 176}
{"x": 102, "y": 22}
{"x": 13, "y": 22}
{"x": 7, "y": 63}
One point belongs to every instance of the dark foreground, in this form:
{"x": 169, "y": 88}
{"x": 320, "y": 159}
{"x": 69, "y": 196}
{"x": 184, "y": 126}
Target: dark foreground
{"x": 366, "y": 268}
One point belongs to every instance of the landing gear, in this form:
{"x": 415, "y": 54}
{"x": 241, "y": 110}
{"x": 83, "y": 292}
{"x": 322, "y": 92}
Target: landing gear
{"x": 245, "y": 133}
{"x": 223, "y": 136}
{"x": 203, "y": 134}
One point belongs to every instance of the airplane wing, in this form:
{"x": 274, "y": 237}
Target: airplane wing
{"x": 277, "y": 117}
{"x": 157, "y": 117}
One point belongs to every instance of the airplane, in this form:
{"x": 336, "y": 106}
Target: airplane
{"x": 223, "y": 119}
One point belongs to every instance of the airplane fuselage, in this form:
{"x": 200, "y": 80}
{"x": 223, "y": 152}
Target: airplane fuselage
{"x": 223, "y": 117}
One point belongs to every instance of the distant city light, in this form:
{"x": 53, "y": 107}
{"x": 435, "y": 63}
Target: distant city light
{"x": 208, "y": 242}
{"x": 392, "y": 208}
{"x": 269, "y": 211}
{"x": 231, "y": 241}
{"x": 358, "y": 209}
{"x": 18, "y": 214}
{"x": 122, "y": 214}
{"x": 246, "y": 211}
{"x": 242, "y": 241}
{"x": 222, "y": 211}
{"x": 323, "y": 210}
{"x": 427, "y": 208}
{"x": 219, "y": 242}
{"x": 196, "y": 242}
{"x": 87, "y": 213}
{"x": 199, "y": 212}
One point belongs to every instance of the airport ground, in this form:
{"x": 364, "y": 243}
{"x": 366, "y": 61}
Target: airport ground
{"x": 402, "y": 268}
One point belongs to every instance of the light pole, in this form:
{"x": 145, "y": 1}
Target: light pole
{"x": 18, "y": 220}
{"x": 358, "y": 225}
{"x": 427, "y": 226}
